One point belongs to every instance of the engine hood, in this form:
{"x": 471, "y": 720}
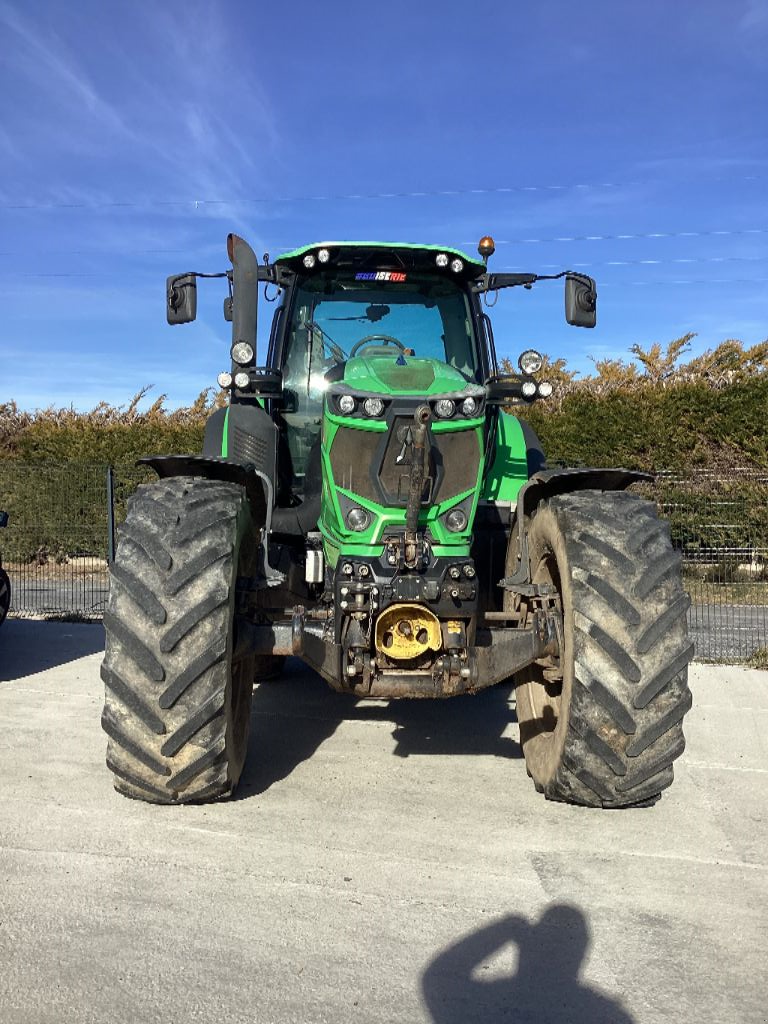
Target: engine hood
{"x": 406, "y": 375}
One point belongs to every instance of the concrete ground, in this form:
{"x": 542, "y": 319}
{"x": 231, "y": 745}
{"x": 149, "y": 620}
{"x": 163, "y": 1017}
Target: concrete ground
{"x": 382, "y": 863}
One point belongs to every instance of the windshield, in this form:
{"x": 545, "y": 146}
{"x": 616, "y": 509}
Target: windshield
{"x": 333, "y": 319}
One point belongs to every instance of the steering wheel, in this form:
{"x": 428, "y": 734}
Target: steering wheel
{"x": 385, "y": 339}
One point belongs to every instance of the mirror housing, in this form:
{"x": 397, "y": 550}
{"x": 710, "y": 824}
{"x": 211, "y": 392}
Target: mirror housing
{"x": 580, "y": 300}
{"x": 181, "y": 299}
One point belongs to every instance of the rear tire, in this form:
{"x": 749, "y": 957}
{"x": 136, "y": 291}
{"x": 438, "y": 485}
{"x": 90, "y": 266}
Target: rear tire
{"x": 5, "y": 595}
{"x": 604, "y": 727}
{"x": 178, "y": 696}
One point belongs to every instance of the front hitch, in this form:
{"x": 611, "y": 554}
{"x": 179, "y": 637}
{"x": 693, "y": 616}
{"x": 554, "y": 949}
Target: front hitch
{"x": 418, "y": 432}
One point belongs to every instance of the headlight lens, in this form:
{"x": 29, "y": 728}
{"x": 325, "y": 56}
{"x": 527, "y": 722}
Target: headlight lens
{"x": 444, "y": 408}
{"x": 469, "y": 406}
{"x": 373, "y": 407}
{"x": 358, "y": 519}
{"x": 528, "y": 388}
{"x": 530, "y": 361}
{"x": 545, "y": 389}
{"x": 224, "y": 380}
{"x": 347, "y": 404}
{"x": 242, "y": 380}
{"x": 456, "y": 520}
{"x": 242, "y": 352}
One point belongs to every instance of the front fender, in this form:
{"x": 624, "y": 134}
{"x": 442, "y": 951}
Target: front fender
{"x": 257, "y": 485}
{"x": 546, "y": 484}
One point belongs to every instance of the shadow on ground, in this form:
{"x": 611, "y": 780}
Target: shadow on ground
{"x": 29, "y": 646}
{"x": 293, "y": 715}
{"x": 462, "y": 984}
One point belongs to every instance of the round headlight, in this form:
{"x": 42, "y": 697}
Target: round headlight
{"x": 373, "y": 407}
{"x": 441, "y": 259}
{"x": 323, "y": 255}
{"x": 242, "y": 352}
{"x": 469, "y": 406}
{"x": 545, "y": 389}
{"x": 456, "y": 520}
{"x": 309, "y": 260}
{"x": 224, "y": 380}
{"x": 528, "y": 388}
{"x": 358, "y": 519}
{"x": 444, "y": 408}
{"x": 530, "y": 361}
{"x": 457, "y": 266}
{"x": 346, "y": 404}
{"x": 242, "y": 380}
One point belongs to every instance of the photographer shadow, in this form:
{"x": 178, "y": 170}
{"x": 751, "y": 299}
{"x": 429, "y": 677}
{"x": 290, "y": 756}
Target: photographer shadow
{"x": 546, "y": 988}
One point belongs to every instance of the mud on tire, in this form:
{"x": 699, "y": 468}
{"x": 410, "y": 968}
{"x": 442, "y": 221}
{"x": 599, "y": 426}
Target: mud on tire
{"x": 178, "y": 698}
{"x": 604, "y": 728}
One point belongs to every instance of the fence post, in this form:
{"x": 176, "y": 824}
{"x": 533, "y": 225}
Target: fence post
{"x": 110, "y": 515}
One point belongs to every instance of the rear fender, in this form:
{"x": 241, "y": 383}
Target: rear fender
{"x": 548, "y": 483}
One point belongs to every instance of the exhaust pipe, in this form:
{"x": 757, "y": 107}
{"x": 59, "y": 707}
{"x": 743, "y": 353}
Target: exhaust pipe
{"x": 245, "y": 295}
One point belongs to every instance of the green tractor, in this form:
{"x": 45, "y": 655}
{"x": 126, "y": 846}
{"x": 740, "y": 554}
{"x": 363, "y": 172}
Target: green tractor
{"x": 365, "y": 502}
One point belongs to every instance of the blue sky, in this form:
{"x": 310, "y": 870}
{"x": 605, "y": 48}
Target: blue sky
{"x": 134, "y": 136}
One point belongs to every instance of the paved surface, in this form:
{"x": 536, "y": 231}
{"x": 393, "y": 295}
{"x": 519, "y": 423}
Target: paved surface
{"x": 384, "y": 863}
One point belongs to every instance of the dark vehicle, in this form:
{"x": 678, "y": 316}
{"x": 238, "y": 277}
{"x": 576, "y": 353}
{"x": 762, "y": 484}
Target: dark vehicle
{"x": 5, "y": 583}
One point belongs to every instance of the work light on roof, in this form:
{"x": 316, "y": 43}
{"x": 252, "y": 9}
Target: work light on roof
{"x": 224, "y": 380}
{"x": 309, "y": 260}
{"x": 457, "y": 265}
{"x": 242, "y": 380}
{"x": 441, "y": 259}
{"x": 323, "y": 255}
{"x": 545, "y": 389}
{"x": 528, "y": 388}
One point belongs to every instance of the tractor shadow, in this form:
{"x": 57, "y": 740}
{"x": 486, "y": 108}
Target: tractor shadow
{"x": 30, "y": 646}
{"x": 292, "y": 716}
{"x": 463, "y": 983}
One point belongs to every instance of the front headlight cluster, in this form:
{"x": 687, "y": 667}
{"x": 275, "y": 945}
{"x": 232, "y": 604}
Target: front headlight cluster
{"x": 446, "y": 407}
{"x": 372, "y": 407}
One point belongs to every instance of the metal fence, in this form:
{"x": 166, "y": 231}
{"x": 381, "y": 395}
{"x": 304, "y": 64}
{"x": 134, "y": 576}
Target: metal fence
{"x": 56, "y": 547}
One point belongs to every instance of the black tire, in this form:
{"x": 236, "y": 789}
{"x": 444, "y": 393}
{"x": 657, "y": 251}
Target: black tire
{"x": 178, "y": 704}
{"x": 603, "y": 726}
{"x": 5, "y": 595}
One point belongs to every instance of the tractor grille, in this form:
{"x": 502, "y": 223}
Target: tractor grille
{"x": 367, "y": 463}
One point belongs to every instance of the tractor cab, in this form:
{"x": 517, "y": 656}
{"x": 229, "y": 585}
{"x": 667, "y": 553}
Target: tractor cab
{"x": 372, "y": 312}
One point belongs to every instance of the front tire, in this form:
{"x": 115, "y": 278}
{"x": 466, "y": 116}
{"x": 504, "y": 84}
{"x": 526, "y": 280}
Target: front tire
{"x": 178, "y": 693}
{"x": 603, "y": 726}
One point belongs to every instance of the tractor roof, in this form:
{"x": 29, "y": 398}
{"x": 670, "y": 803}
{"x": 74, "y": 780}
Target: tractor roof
{"x": 383, "y": 256}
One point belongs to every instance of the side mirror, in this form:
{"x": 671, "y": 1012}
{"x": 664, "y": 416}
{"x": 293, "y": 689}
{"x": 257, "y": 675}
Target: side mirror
{"x": 580, "y": 300}
{"x": 181, "y": 299}
{"x": 228, "y": 309}
{"x": 3, "y": 519}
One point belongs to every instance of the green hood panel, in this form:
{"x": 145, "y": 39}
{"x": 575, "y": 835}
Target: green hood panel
{"x": 410, "y": 376}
